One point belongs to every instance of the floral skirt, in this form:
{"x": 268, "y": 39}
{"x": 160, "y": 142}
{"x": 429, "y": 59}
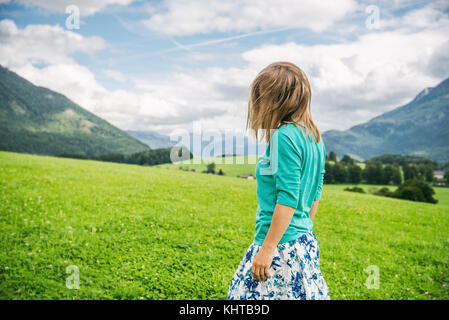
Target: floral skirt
{"x": 294, "y": 273}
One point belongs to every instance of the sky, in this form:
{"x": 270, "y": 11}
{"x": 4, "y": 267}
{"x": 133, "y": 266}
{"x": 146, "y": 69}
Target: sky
{"x": 163, "y": 65}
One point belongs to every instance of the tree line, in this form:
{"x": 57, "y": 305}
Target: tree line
{"x": 149, "y": 157}
{"x": 378, "y": 170}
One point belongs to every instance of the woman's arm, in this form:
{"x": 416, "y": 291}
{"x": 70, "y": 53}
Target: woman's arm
{"x": 286, "y": 159}
{"x": 282, "y": 216}
{"x": 312, "y": 211}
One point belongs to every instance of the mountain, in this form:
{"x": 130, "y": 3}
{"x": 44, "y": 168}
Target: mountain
{"x": 419, "y": 128}
{"x": 153, "y": 139}
{"x": 235, "y": 143}
{"x": 38, "y": 120}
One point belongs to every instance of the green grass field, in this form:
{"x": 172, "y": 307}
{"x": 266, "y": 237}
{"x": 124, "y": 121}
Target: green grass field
{"x": 441, "y": 193}
{"x": 239, "y": 165}
{"x": 231, "y": 166}
{"x": 149, "y": 233}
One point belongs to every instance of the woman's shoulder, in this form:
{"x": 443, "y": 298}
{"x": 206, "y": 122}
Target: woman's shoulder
{"x": 296, "y": 133}
{"x": 292, "y": 131}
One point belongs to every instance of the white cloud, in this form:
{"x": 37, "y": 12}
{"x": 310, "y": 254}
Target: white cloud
{"x": 188, "y": 17}
{"x": 115, "y": 75}
{"x": 42, "y": 55}
{"x": 210, "y": 95}
{"x": 75, "y": 81}
{"x": 352, "y": 80}
{"x": 376, "y": 73}
{"x": 86, "y": 7}
{"x": 42, "y": 44}
{"x": 427, "y": 17}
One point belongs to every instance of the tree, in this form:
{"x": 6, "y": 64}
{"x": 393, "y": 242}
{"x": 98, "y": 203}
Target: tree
{"x": 347, "y": 160}
{"x": 403, "y": 159}
{"x": 354, "y": 174}
{"x": 397, "y": 177}
{"x": 446, "y": 177}
{"x": 388, "y": 172}
{"x": 373, "y": 172}
{"x": 428, "y": 173}
{"x": 410, "y": 171}
{"x": 340, "y": 173}
{"x": 332, "y": 156}
{"x": 329, "y": 174}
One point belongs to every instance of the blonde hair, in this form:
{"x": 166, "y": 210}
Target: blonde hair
{"x": 280, "y": 94}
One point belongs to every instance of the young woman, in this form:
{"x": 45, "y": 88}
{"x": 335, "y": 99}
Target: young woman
{"x": 283, "y": 260}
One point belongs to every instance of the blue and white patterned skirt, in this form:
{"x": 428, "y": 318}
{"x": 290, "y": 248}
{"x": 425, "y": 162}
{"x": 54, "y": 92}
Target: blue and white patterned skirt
{"x": 294, "y": 273}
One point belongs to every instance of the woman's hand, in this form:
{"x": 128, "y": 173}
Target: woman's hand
{"x": 261, "y": 264}
{"x": 262, "y": 261}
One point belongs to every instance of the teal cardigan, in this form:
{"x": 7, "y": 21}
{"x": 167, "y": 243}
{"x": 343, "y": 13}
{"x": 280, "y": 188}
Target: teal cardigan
{"x": 290, "y": 173}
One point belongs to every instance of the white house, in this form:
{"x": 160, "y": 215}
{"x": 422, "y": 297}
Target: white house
{"x": 438, "y": 174}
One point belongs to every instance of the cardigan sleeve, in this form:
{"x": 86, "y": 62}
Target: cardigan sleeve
{"x": 321, "y": 177}
{"x": 287, "y": 173}
{"x": 320, "y": 185}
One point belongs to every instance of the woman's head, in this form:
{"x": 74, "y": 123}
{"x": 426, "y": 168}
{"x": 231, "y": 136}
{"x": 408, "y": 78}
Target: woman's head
{"x": 280, "y": 94}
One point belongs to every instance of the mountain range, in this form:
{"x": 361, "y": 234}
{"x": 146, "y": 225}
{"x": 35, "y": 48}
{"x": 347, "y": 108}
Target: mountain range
{"x": 152, "y": 139}
{"x": 38, "y": 120}
{"x": 236, "y": 142}
{"x": 419, "y": 128}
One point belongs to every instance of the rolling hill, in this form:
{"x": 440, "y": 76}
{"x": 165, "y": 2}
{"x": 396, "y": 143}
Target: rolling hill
{"x": 38, "y": 120}
{"x": 419, "y": 128}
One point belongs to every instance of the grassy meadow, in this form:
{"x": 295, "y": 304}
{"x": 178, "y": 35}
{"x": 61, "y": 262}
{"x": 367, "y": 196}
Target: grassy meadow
{"x": 441, "y": 193}
{"x": 232, "y": 166}
{"x": 139, "y": 232}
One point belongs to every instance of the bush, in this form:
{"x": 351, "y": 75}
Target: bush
{"x": 385, "y": 192}
{"x": 211, "y": 167}
{"x": 415, "y": 190}
{"x": 355, "y": 189}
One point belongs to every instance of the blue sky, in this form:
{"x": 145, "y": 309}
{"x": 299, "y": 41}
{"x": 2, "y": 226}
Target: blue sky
{"x": 161, "y": 65}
